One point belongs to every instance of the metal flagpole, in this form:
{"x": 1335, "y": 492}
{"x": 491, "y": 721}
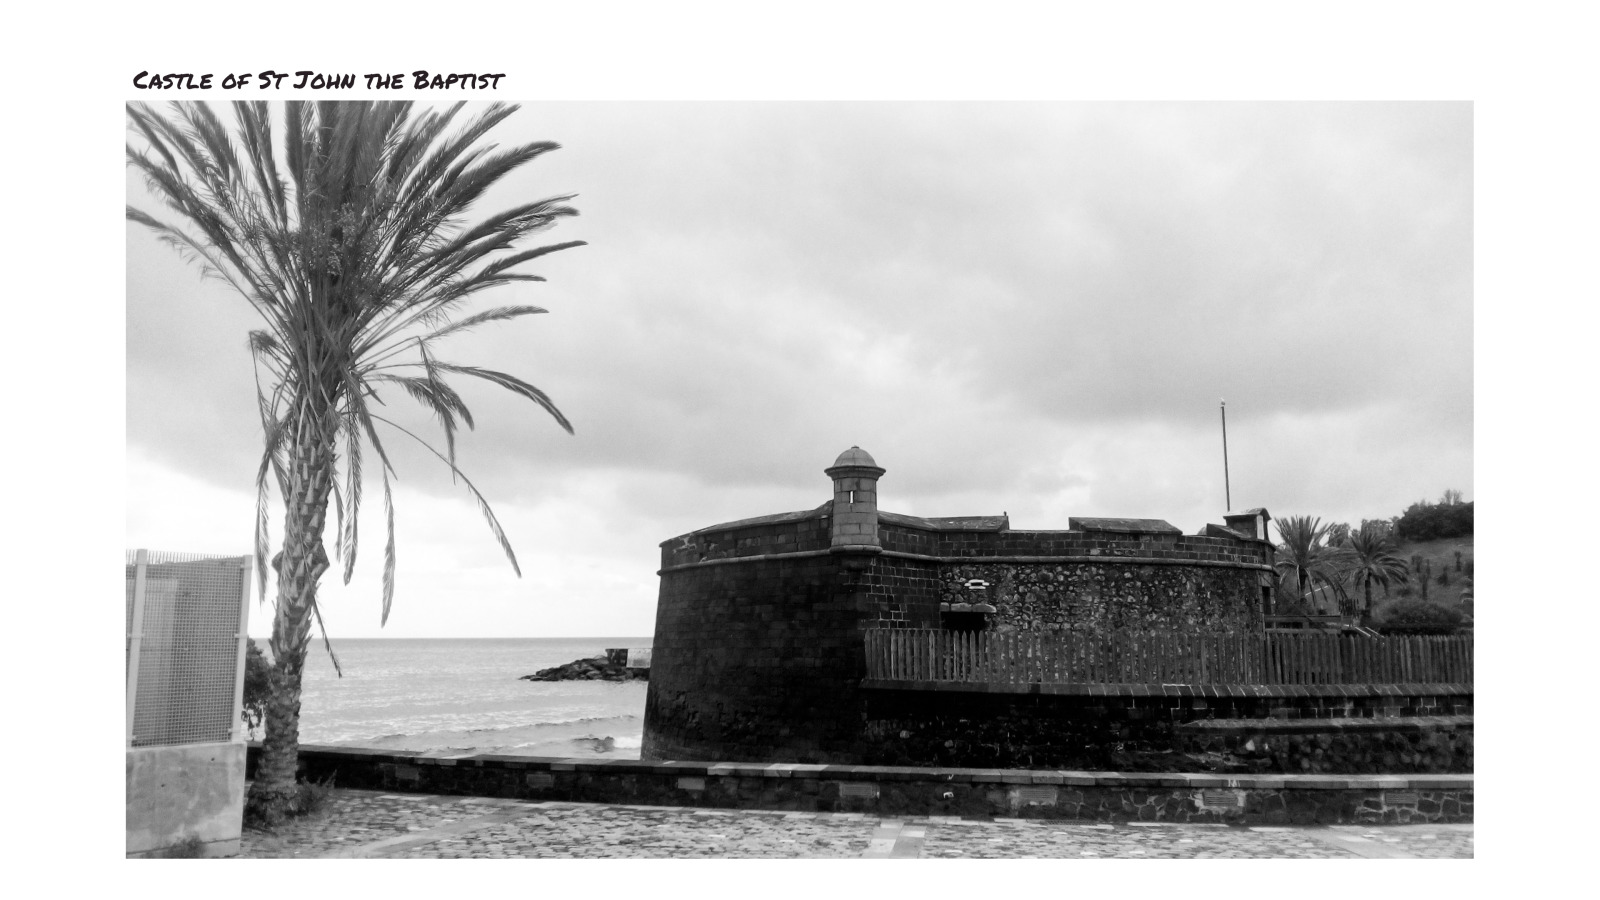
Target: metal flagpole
{"x": 1227, "y": 491}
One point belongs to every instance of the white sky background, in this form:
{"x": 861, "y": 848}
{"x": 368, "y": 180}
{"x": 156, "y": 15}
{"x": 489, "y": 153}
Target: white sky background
{"x": 1028, "y": 307}
{"x": 1530, "y": 354}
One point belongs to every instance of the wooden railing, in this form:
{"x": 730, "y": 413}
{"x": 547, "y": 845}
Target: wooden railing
{"x": 905, "y": 654}
{"x": 1278, "y": 622}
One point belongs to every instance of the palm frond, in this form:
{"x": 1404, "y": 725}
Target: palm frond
{"x": 513, "y": 384}
{"x": 316, "y": 610}
{"x": 352, "y": 468}
{"x": 1306, "y": 557}
{"x": 338, "y": 523}
{"x": 388, "y": 553}
{"x": 346, "y": 228}
{"x": 448, "y": 405}
{"x": 483, "y": 504}
{"x": 498, "y": 314}
{"x": 269, "y": 462}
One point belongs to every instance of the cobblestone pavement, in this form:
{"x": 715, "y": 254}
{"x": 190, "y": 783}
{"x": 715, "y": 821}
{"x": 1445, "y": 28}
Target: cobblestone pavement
{"x": 422, "y": 826}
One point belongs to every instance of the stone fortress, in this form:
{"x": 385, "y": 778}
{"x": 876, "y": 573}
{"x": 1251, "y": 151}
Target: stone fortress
{"x": 761, "y": 625}
{"x": 845, "y": 658}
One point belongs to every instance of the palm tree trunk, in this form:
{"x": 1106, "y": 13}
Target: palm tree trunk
{"x": 1368, "y": 611}
{"x": 299, "y": 566}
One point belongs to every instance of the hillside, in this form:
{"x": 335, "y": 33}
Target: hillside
{"x": 1440, "y": 555}
{"x": 1450, "y": 558}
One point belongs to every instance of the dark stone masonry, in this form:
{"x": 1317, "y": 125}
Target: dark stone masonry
{"x": 1193, "y": 730}
{"x": 760, "y": 635}
{"x": 889, "y": 790}
{"x": 1100, "y": 597}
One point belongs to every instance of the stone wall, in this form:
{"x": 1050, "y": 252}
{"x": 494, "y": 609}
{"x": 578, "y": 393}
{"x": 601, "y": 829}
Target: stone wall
{"x": 784, "y": 533}
{"x": 759, "y": 653}
{"x": 902, "y": 593}
{"x": 1100, "y": 597}
{"x": 759, "y": 650}
{"x": 758, "y": 659}
{"x": 1098, "y": 580}
{"x": 1088, "y": 546}
{"x": 1164, "y": 727}
{"x": 909, "y": 791}
{"x": 1346, "y": 746}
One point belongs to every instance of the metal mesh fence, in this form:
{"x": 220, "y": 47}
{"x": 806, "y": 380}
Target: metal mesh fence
{"x": 185, "y": 628}
{"x": 128, "y": 662}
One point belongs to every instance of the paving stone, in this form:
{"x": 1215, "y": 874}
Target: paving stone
{"x": 370, "y": 823}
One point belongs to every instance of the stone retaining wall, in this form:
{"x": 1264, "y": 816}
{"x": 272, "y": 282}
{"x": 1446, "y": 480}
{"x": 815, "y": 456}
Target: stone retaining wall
{"x": 1415, "y": 744}
{"x": 883, "y": 790}
{"x": 1143, "y": 727}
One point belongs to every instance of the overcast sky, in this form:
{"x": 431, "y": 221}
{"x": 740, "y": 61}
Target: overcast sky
{"x": 1028, "y": 308}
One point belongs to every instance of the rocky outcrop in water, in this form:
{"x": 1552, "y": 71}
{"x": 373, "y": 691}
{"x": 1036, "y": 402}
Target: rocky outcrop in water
{"x": 598, "y": 668}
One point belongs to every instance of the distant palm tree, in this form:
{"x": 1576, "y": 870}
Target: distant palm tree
{"x": 1370, "y": 560}
{"x": 1313, "y": 564}
{"x": 353, "y": 249}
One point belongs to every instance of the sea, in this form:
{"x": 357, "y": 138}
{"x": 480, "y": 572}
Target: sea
{"x": 465, "y": 696}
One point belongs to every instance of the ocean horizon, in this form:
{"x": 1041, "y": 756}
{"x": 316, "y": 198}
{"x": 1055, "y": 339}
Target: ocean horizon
{"x": 465, "y": 696}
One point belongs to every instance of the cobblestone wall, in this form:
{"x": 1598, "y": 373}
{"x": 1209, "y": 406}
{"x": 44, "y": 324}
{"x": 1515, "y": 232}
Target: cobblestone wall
{"x": 1099, "y": 597}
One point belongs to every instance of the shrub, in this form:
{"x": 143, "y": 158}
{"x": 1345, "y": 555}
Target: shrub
{"x": 1425, "y": 521}
{"x": 256, "y": 669}
{"x": 1381, "y": 527}
{"x": 1338, "y": 534}
{"x": 1418, "y": 617}
{"x": 188, "y": 848}
{"x": 310, "y": 798}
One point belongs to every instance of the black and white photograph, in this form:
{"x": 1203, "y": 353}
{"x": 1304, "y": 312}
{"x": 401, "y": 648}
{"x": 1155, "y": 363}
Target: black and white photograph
{"x": 1027, "y": 471}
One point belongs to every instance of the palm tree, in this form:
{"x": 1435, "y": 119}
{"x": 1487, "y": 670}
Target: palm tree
{"x": 352, "y": 248}
{"x": 1304, "y": 554}
{"x": 1369, "y": 560}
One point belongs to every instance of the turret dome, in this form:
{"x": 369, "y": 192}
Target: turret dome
{"x": 855, "y": 456}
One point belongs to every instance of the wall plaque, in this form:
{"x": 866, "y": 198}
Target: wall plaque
{"x": 1039, "y": 795}
{"x": 1221, "y": 799}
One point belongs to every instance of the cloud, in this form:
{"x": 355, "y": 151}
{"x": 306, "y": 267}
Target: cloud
{"x": 1028, "y": 307}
